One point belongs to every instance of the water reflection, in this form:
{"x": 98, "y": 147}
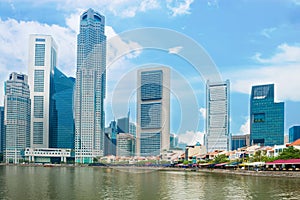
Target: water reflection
{"x": 98, "y": 183}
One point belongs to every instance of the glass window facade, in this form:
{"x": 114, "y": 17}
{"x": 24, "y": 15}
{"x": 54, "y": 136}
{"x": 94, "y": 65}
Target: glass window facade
{"x": 150, "y": 144}
{"x": 39, "y": 55}
{"x": 38, "y": 107}
{"x": 151, "y": 115}
{"x": 38, "y": 130}
{"x": 294, "y": 133}
{"x": 39, "y": 80}
{"x": 266, "y": 117}
{"x": 62, "y": 122}
{"x": 151, "y": 88}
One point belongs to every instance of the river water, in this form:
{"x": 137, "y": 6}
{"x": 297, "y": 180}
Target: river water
{"x": 19, "y": 182}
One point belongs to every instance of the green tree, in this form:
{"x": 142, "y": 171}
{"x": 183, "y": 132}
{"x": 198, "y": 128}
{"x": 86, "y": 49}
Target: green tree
{"x": 289, "y": 153}
{"x": 221, "y": 158}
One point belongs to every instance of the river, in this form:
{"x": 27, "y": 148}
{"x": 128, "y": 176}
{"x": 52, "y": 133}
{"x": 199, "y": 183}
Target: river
{"x": 19, "y": 182}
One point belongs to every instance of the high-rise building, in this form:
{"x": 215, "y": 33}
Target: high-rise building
{"x": 90, "y": 87}
{"x": 238, "y": 141}
{"x": 294, "y": 133}
{"x": 153, "y": 111}
{"x": 125, "y": 145}
{"x": 173, "y": 141}
{"x": 266, "y": 117}
{"x": 42, "y": 62}
{"x": 2, "y": 136}
{"x": 132, "y": 129}
{"x": 110, "y": 139}
{"x": 62, "y": 119}
{"x": 123, "y": 125}
{"x": 17, "y": 117}
{"x": 217, "y": 116}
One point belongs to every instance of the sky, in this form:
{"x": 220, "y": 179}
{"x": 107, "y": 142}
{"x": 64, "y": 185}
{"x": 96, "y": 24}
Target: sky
{"x": 251, "y": 42}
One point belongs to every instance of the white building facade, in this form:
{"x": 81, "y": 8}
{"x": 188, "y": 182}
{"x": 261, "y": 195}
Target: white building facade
{"x": 42, "y": 61}
{"x": 90, "y": 88}
{"x": 153, "y": 111}
{"x": 217, "y": 116}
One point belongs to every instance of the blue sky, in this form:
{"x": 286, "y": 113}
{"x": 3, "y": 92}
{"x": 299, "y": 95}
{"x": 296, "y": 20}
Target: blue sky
{"x": 251, "y": 42}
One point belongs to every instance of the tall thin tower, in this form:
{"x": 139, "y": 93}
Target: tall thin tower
{"x": 90, "y": 87}
{"x": 17, "y": 117}
{"x": 217, "y": 116}
{"x": 153, "y": 111}
{"x": 42, "y": 61}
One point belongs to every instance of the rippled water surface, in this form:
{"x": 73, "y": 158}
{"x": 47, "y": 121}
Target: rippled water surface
{"x": 17, "y": 182}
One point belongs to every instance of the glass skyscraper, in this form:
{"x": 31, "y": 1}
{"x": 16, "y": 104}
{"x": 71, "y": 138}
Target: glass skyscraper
{"x": 294, "y": 133}
{"x": 153, "y": 111}
{"x": 266, "y": 117}
{"x": 90, "y": 87}
{"x": 2, "y": 136}
{"x": 217, "y": 116}
{"x": 17, "y": 117}
{"x": 62, "y": 130}
{"x": 42, "y": 62}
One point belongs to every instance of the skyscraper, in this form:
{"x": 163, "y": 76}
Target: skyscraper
{"x": 266, "y": 117}
{"x": 217, "y": 116}
{"x": 2, "y": 136}
{"x": 42, "y": 61}
{"x": 123, "y": 125}
{"x": 294, "y": 133}
{"x": 62, "y": 130}
{"x": 17, "y": 117}
{"x": 90, "y": 87}
{"x": 153, "y": 111}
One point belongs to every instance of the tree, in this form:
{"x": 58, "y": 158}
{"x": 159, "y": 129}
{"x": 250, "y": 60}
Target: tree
{"x": 289, "y": 153}
{"x": 221, "y": 158}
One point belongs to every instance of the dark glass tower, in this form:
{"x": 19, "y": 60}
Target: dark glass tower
{"x": 294, "y": 133}
{"x": 62, "y": 130}
{"x": 266, "y": 117}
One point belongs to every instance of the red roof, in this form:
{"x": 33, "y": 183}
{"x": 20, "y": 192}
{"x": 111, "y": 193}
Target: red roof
{"x": 296, "y": 143}
{"x": 289, "y": 161}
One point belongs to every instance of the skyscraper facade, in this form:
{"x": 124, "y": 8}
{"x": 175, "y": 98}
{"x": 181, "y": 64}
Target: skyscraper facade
{"x": 42, "y": 61}
{"x": 153, "y": 111}
{"x": 266, "y": 117}
{"x": 2, "y": 136}
{"x": 125, "y": 145}
{"x": 294, "y": 133}
{"x": 90, "y": 87}
{"x": 123, "y": 125}
{"x": 62, "y": 130}
{"x": 217, "y": 116}
{"x": 17, "y": 117}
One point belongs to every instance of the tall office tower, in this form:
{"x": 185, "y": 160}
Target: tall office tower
{"x": 125, "y": 145}
{"x": 42, "y": 61}
{"x": 294, "y": 133}
{"x": 123, "y": 125}
{"x": 90, "y": 87}
{"x": 266, "y": 117}
{"x": 62, "y": 130}
{"x": 110, "y": 139}
{"x": 217, "y": 116}
{"x": 132, "y": 129}
{"x": 2, "y": 136}
{"x": 153, "y": 111}
{"x": 17, "y": 117}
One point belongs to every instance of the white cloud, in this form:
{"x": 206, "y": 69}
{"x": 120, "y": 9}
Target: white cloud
{"x": 267, "y": 32}
{"x": 245, "y": 128}
{"x": 203, "y": 112}
{"x": 282, "y": 69}
{"x": 286, "y": 54}
{"x": 179, "y": 7}
{"x": 191, "y": 137}
{"x": 175, "y": 50}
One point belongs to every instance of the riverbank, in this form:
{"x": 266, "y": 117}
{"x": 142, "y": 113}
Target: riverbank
{"x": 242, "y": 172}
